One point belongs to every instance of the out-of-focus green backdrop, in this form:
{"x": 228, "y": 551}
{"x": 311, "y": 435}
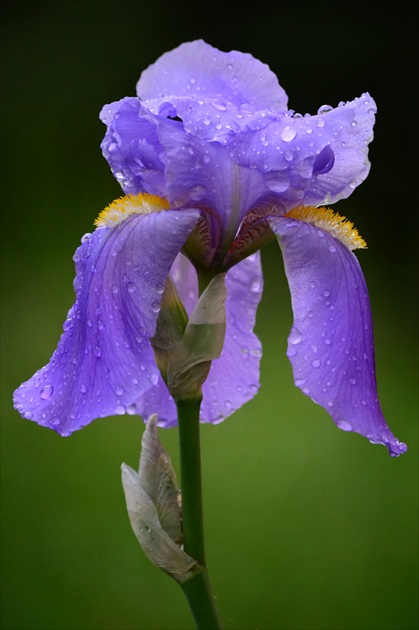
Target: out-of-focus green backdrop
{"x": 307, "y": 527}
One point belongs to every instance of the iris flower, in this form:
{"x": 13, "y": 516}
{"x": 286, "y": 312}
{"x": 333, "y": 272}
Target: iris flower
{"x": 213, "y": 166}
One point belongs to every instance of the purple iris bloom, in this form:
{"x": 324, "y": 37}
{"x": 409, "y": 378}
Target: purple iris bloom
{"x": 214, "y": 166}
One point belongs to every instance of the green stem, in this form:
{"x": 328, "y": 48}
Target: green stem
{"x": 197, "y": 589}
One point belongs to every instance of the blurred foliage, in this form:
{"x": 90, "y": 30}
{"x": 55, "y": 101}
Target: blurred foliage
{"x": 307, "y": 527}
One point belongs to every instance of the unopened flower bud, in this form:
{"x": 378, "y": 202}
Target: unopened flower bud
{"x": 153, "y": 507}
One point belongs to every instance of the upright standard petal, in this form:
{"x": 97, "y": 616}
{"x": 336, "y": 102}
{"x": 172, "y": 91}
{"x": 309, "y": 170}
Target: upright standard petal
{"x": 214, "y": 93}
{"x": 331, "y": 346}
{"x": 193, "y": 169}
{"x": 132, "y": 149}
{"x": 104, "y": 360}
{"x": 312, "y": 160}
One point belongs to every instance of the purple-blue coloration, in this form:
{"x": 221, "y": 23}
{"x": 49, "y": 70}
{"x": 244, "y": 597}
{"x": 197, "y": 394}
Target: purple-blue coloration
{"x": 211, "y": 132}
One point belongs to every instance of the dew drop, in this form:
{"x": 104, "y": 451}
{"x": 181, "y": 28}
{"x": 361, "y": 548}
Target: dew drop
{"x": 119, "y": 390}
{"x": 323, "y": 109}
{"x": 83, "y": 388}
{"x": 256, "y": 286}
{"x": 120, "y": 410}
{"x": 294, "y": 336}
{"x": 67, "y": 324}
{"x": 160, "y": 288}
{"x": 154, "y": 378}
{"x": 218, "y": 105}
{"x": 155, "y": 307}
{"x": 85, "y": 237}
{"x": 352, "y": 381}
{"x": 300, "y": 382}
{"x": 130, "y": 287}
{"x": 46, "y": 392}
{"x": 288, "y": 134}
{"x": 315, "y": 363}
{"x": 131, "y": 410}
{"x": 344, "y": 425}
{"x": 332, "y": 248}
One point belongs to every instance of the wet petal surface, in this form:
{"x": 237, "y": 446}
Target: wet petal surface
{"x": 104, "y": 360}
{"x": 214, "y": 93}
{"x": 233, "y": 379}
{"x": 330, "y": 346}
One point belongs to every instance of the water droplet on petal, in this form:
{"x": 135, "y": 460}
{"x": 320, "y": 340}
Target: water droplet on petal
{"x": 256, "y": 286}
{"x": 85, "y": 237}
{"x": 46, "y": 392}
{"x": 294, "y": 336}
{"x": 120, "y": 410}
{"x": 288, "y": 134}
{"x": 323, "y": 109}
{"x": 316, "y": 363}
{"x": 155, "y": 307}
{"x": 154, "y": 378}
{"x": 119, "y": 390}
{"x": 344, "y": 425}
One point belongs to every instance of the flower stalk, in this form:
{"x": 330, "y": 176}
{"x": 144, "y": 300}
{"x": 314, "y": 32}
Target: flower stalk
{"x": 197, "y": 589}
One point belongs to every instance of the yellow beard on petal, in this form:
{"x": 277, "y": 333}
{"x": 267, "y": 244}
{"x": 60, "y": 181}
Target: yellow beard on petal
{"x": 331, "y": 222}
{"x": 122, "y": 208}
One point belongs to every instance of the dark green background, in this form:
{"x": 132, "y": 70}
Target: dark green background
{"x": 307, "y": 527}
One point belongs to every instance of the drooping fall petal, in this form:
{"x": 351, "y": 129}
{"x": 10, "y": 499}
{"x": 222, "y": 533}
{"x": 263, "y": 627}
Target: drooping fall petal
{"x": 104, "y": 360}
{"x": 331, "y": 347}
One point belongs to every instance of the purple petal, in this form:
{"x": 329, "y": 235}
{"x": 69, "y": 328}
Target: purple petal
{"x": 158, "y": 400}
{"x": 185, "y": 279}
{"x": 132, "y": 148}
{"x": 214, "y": 93}
{"x": 312, "y": 160}
{"x": 331, "y": 346}
{"x": 193, "y": 168}
{"x": 233, "y": 379}
{"x": 104, "y": 360}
